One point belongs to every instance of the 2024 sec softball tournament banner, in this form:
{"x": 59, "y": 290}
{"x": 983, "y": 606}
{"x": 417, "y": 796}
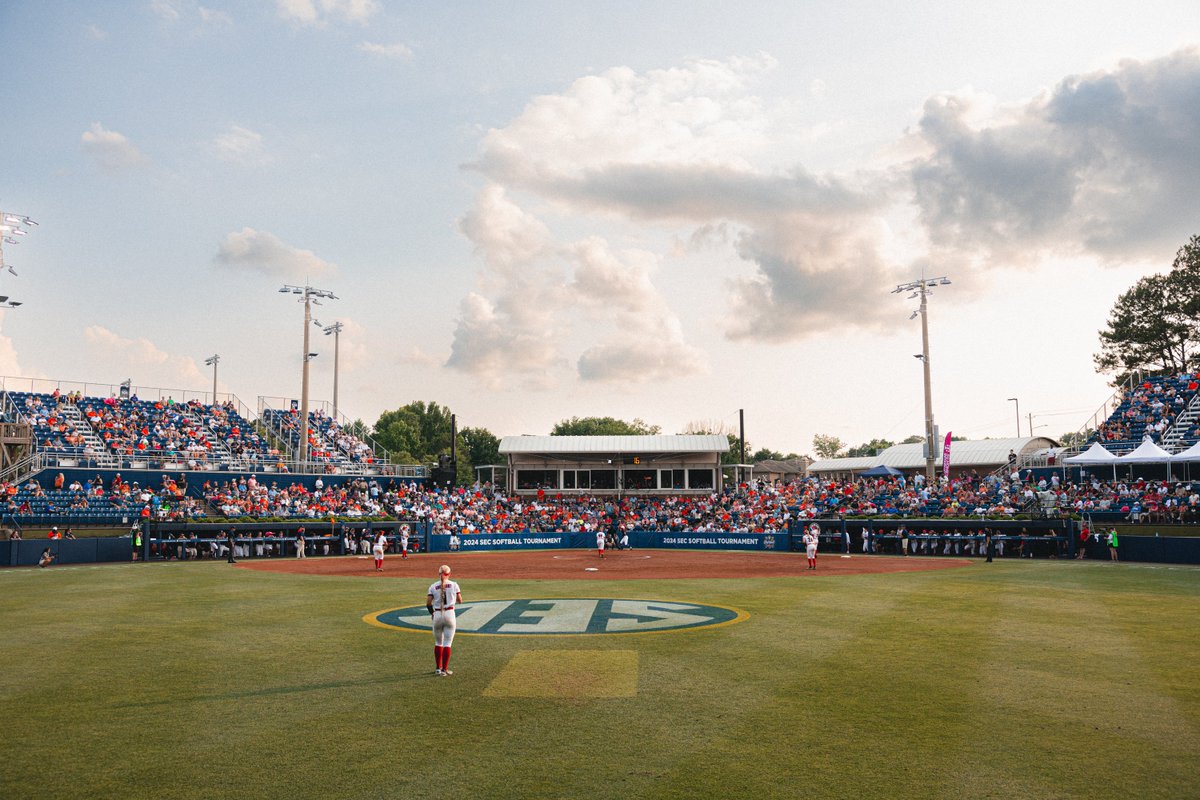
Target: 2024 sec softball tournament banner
{"x": 685, "y": 540}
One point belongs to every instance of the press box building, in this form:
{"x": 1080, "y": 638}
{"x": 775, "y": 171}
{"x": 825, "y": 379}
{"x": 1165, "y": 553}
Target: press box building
{"x": 685, "y": 464}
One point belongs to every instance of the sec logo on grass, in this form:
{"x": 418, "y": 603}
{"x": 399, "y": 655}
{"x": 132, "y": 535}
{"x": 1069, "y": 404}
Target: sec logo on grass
{"x": 565, "y": 616}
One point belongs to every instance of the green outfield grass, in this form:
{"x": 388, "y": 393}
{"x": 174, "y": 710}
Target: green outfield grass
{"x": 1009, "y": 680}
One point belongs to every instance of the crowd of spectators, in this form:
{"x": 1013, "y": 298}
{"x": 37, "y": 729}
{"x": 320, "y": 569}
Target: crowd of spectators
{"x": 754, "y": 506}
{"x": 98, "y": 501}
{"x": 193, "y": 433}
{"x": 328, "y": 441}
{"x": 1148, "y": 410}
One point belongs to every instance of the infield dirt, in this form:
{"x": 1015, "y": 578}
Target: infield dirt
{"x": 616, "y": 565}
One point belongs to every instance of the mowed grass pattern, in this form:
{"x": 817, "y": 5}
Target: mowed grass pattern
{"x": 1039, "y": 680}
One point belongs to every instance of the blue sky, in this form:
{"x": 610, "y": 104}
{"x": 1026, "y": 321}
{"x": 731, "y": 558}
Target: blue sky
{"x": 658, "y": 210}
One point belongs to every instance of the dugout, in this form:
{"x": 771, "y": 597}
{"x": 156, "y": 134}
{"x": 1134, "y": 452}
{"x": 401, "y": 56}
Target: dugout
{"x": 1035, "y": 537}
{"x": 277, "y": 539}
{"x": 614, "y": 465}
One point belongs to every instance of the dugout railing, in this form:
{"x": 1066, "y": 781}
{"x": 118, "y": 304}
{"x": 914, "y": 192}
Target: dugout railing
{"x": 940, "y": 537}
{"x": 161, "y": 540}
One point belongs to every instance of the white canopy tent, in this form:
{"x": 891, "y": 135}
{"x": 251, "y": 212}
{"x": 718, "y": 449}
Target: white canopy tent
{"x": 1146, "y": 453}
{"x": 1095, "y": 455}
{"x": 1191, "y": 454}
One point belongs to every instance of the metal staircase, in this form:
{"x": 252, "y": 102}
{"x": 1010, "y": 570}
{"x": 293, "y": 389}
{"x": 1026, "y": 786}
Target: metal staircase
{"x": 102, "y": 455}
{"x": 1185, "y": 423}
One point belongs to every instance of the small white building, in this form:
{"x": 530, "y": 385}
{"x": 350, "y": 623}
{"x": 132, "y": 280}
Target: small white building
{"x": 979, "y": 455}
{"x": 684, "y": 464}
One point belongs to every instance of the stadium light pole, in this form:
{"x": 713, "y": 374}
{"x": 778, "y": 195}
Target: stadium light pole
{"x": 12, "y": 228}
{"x": 212, "y": 361}
{"x": 308, "y": 293}
{"x": 922, "y": 289}
{"x": 336, "y": 330}
{"x": 1018, "y": 402}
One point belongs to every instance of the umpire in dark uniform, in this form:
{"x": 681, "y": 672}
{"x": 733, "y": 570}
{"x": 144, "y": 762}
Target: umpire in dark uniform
{"x": 232, "y": 538}
{"x": 989, "y": 544}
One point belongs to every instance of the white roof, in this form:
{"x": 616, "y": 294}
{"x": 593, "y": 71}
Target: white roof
{"x": 856, "y": 464}
{"x": 1146, "y": 453}
{"x": 976, "y": 453}
{"x": 688, "y": 443}
{"x": 1096, "y": 454}
{"x": 1191, "y": 454}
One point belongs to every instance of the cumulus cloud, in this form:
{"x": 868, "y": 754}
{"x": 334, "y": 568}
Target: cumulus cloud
{"x": 681, "y": 147}
{"x": 507, "y": 339}
{"x": 111, "y": 151}
{"x": 699, "y": 113}
{"x": 264, "y": 252}
{"x": 646, "y": 341}
{"x": 814, "y": 272}
{"x": 502, "y": 232}
{"x": 143, "y": 360}
{"x": 547, "y": 296}
{"x": 517, "y": 333}
{"x": 415, "y": 356}
{"x": 9, "y": 362}
{"x": 353, "y": 353}
{"x": 214, "y": 17}
{"x": 167, "y": 9}
{"x": 321, "y": 12}
{"x": 1105, "y": 163}
{"x": 397, "y": 50}
{"x": 240, "y": 145}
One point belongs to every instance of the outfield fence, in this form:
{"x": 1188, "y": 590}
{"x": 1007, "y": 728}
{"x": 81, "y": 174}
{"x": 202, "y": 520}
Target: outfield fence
{"x": 1011, "y": 539}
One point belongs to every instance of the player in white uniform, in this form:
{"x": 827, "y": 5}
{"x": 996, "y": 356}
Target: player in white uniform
{"x": 379, "y": 547}
{"x": 404, "y": 542}
{"x": 443, "y": 596}
{"x": 600, "y": 543}
{"x": 810, "y": 544}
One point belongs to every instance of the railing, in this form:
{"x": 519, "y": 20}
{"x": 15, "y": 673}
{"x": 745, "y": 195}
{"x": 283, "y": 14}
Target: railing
{"x": 1105, "y": 411}
{"x": 99, "y": 389}
{"x": 284, "y": 404}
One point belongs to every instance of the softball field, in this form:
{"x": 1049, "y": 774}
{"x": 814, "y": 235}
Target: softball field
{"x": 868, "y": 678}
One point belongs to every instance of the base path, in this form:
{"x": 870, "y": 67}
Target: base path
{"x": 616, "y": 565}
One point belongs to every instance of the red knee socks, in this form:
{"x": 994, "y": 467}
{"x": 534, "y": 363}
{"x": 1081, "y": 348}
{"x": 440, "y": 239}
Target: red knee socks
{"x": 441, "y": 656}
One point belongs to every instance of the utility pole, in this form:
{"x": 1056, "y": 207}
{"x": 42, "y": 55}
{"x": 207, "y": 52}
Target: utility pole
{"x": 922, "y": 289}
{"x": 308, "y": 293}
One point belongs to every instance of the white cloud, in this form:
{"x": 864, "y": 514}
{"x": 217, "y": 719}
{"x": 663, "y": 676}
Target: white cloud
{"x": 213, "y": 17}
{"x": 1105, "y": 163}
{"x": 397, "y": 51}
{"x": 545, "y": 298}
{"x": 97, "y": 33}
{"x": 645, "y": 341}
{"x": 353, "y": 353}
{"x": 321, "y": 12}
{"x": 696, "y": 114}
{"x": 515, "y": 338}
{"x": 240, "y": 145}
{"x": 167, "y": 9}
{"x": 9, "y": 362}
{"x": 503, "y": 233}
{"x": 263, "y": 252}
{"x": 415, "y": 356}
{"x": 142, "y": 360}
{"x": 681, "y": 147}
{"x": 111, "y": 151}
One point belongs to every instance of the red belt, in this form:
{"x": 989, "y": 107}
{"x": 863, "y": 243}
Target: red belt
{"x": 451, "y": 608}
